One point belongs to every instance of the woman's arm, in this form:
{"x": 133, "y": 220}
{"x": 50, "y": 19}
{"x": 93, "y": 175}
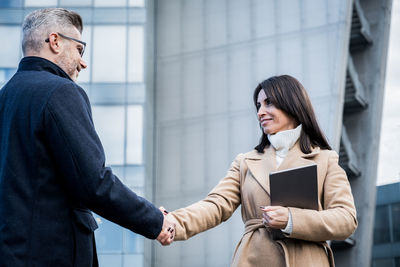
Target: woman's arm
{"x": 338, "y": 219}
{"x": 216, "y": 208}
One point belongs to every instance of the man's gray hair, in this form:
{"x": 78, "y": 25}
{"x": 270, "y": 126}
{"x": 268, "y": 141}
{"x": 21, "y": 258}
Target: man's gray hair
{"x": 40, "y": 23}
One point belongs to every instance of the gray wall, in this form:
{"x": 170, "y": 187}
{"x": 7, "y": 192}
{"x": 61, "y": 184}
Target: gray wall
{"x": 363, "y": 128}
{"x": 209, "y": 57}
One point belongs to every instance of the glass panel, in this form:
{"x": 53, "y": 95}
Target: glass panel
{"x": 10, "y": 52}
{"x": 108, "y": 93}
{"x": 385, "y": 262}
{"x": 110, "y": 260}
{"x": 41, "y": 3}
{"x": 84, "y": 75}
{"x": 100, "y": 3}
{"x": 11, "y": 16}
{"x": 133, "y": 243}
{"x": 108, "y": 236}
{"x": 11, "y": 3}
{"x": 109, "y": 55}
{"x": 381, "y": 226}
{"x": 134, "y": 149}
{"x": 110, "y": 15}
{"x": 2, "y": 76}
{"x": 134, "y": 176}
{"x": 136, "y": 93}
{"x": 137, "y": 3}
{"x": 396, "y": 222}
{"x": 9, "y": 73}
{"x": 136, "y": 54}
{"x": 75, "y": 2}
{"x": 109, "y": 123}
{"x": 133, "y": 260}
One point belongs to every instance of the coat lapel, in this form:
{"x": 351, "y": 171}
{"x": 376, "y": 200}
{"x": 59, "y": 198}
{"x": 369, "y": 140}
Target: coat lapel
{"x": 260, "y": 165}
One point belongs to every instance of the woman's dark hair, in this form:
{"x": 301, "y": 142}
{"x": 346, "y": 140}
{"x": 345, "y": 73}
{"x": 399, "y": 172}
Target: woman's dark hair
{"x": 288, "y": 94}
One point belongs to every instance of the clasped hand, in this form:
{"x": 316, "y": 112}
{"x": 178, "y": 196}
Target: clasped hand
{"x": 167, "y": 235}
{"x": 275, "y": 216}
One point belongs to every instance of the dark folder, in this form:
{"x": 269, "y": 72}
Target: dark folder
{"x": 297, "y": 187}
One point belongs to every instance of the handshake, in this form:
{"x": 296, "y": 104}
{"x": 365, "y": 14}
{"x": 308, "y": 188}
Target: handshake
{"x": 167, "y": 235}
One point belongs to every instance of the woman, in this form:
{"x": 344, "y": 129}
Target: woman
{"x": 291, "y": 137}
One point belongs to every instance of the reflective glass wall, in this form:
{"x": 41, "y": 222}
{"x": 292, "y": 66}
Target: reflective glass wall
{"x": 114, "y": 81}
{"x": 386, "y": 249}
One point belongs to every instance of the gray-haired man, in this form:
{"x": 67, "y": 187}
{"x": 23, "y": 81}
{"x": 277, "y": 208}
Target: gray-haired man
{"x": 52, "y": 164}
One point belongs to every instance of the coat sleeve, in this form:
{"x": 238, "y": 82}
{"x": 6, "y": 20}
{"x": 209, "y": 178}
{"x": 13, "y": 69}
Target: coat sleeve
{"x": 337, "y": 220}
{"x": 79, "y": 159}
{"x": 216, "y": 208}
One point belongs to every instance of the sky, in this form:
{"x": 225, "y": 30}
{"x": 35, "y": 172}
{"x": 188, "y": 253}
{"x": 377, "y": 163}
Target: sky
{"x": 389, "y": 148}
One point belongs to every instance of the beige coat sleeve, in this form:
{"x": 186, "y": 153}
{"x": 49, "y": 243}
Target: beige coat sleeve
{"x": 216, "y": 208}
{"x": 338, "y": 219}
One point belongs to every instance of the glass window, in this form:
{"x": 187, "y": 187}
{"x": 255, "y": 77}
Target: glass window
{"x": 108, "y": 93}
{"x": 134, "y": 176}
{"x": 136, "y": 93}
{"x": 109, "y": 53}
{"x": 109, "y": 123}
{"x": 396, "y": 222}
{"x": 75, "y": 3}
{"x": 134, "y": 149}
{"x": 137, "y": 3}
{"x": 10, "y": 52}
{"x": 133, "y": 243}
{"x": 11, "y": 3}
{"x": 381, "y": 226}
{"x": 84, "y": 75}
{"x": 133, "y": 260}
{"x": 136, "y": 54}
{"x": 102, "y": 3}
{"x": 2, "y": 76}
{"x": 108, "y": 236}
{"x": 10, "y": 72}
{"x": 107, "y": 260}
{"x": 41, "y": 3}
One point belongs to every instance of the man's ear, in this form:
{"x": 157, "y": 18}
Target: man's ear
{"x": 54, "y": 43}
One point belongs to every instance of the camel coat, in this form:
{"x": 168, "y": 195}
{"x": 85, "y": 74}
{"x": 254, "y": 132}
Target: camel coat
{"x": 247, "y": 183}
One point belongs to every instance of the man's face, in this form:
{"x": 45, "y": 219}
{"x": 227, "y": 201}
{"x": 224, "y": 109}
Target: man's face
{"x": 70, "y": 59}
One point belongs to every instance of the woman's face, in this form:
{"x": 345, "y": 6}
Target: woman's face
{"x": 272, "y": 119}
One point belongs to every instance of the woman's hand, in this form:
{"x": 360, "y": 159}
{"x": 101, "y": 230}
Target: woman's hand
{"x": 275, "y": 216}
{"x": 167, "y": 235}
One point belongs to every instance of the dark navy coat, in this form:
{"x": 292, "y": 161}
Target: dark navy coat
{"x": 52, "y": 173}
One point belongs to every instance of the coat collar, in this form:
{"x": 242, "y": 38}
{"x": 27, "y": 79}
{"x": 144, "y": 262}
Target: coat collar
{"x": 41, "y": 64}
{"x": 261, "y": 164}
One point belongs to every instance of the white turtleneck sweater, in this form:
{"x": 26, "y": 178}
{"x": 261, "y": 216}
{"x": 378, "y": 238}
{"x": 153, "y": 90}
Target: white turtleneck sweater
{"x": 282, "y": 142}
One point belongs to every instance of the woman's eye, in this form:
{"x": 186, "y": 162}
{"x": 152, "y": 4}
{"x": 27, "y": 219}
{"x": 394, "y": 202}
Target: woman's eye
{"x": 258, "y": 106}
{"x": 268, "y": 101}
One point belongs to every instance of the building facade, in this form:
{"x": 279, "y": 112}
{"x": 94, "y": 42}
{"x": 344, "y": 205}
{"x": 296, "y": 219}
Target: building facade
{"x": 115, "y": 32}
{"x": 386, "y": 251}
{"x": 174, "y": 80}
{"x": 209, "y": 57}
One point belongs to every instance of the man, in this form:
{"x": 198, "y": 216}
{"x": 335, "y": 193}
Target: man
{"x": 52, "y": 164}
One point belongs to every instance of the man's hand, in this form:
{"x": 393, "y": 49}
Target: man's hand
{"x": 167, "y": 235}
{"x": 275, "y": 216}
